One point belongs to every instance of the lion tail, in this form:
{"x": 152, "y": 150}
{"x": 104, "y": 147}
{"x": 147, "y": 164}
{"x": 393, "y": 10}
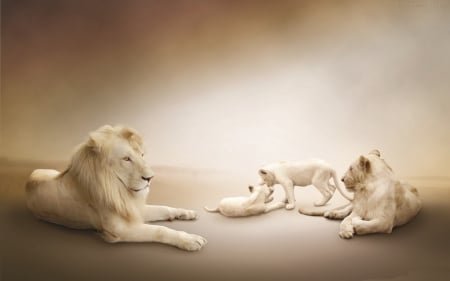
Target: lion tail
{"x": 338, "y": 186}
{"x": 307, "y": 212}
{"x": 216, "y": 210}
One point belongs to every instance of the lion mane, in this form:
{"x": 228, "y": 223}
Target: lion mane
{"x": 96, "y": 178}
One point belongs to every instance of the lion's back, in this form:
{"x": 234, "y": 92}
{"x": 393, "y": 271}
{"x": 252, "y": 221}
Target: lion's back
{"x": 407, "y": 201}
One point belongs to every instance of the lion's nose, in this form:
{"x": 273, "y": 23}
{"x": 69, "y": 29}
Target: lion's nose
{"x": 147, "y": 179}
{"x": 342, "y": 180}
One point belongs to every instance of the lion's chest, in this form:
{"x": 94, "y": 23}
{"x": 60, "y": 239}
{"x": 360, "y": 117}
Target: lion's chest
{"x": 367, "y": 205}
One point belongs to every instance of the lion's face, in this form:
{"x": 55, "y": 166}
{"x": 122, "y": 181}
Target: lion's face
{"x": 267, "y": 176}
{"x": 123, "y": 151}
{"x": 362, "y": 168}
{"x": 355, "y": 175}
{"x": 264, "y": 189}
{"x": 130, "y": 166}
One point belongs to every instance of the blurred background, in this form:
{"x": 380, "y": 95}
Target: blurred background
{"x": 220, "y": 88}
{"x": 231, "y": 85}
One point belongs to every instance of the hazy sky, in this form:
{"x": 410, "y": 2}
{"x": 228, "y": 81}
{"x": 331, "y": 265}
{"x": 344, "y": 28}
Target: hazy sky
{"x": 231, "y": 84}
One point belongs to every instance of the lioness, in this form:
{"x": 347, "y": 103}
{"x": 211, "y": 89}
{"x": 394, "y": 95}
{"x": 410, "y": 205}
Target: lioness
{"x": 258, "y": 202}
{"x": 105, "y": 188}
{"x": 289, "y": 174}
{"x": 381, "y": 201}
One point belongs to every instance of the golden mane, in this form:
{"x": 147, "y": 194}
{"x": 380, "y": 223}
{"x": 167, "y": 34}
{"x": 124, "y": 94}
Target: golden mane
{"x": 96, "y": 178}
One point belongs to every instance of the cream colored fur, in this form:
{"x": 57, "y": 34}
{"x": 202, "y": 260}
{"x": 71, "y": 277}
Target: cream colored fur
{"x": 105, "y": 188}
{"x": 381, "y": 201}
{"x": 258, "y": 202}
{"x": 314, "y": 172}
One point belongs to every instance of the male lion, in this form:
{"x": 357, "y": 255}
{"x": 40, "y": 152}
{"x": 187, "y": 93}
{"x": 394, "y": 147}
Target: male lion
{"x": 381, "y": 201}
{"x": 105, "y": 188}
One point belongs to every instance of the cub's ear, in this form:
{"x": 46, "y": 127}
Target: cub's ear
{"x": 364, "y": 163}
{"x": 250, "y": 187}
{"x": 263, "y": 172}
{"x": 375, "y": 152}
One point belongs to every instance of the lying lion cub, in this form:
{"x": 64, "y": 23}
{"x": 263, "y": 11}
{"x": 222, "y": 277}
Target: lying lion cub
{"x": 381, "y": 201}
{"x": 257, "y": 203}
{"x": 105, "y": 188}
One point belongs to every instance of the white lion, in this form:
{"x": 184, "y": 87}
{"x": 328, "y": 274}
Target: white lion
{"x": 381, "y": 201}
{"x": 258, "y": 202}
{"x": 105, "y": 188}
{"x": 289, "y": 174}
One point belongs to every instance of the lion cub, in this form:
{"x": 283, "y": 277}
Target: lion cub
{"x": 257, "y": 203}
{"x": 289, "y": 174}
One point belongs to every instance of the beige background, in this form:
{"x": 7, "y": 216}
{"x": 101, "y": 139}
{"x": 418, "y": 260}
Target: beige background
{"x": 219, "y": 88}
{"x": 231, "y": 84}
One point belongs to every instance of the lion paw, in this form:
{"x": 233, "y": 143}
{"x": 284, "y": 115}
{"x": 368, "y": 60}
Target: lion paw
{"x": 186, "y": 215}
{"x": 346, "y": 234}
{"x": 331, "y": 215}
{"x": 290, "y": 206}
{"x": 191, "y": 242}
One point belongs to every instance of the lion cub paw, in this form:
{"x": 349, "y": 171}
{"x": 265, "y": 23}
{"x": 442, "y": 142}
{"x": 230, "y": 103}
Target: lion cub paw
{"x": 290, "y": 206}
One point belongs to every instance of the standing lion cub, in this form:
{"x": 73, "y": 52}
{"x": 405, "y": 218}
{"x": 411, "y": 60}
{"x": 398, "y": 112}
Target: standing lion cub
{"x": 105, "y": 188}
{"x": 290, "y": 174}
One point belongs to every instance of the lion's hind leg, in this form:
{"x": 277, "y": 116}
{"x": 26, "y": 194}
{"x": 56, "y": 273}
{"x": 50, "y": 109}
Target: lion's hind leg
{"x": 321, "y": 182}
{"x": 274, "y": 205}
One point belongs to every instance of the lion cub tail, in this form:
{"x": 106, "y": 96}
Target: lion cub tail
{"x": 338, "y": 186}
{"x": 216, "y": 210}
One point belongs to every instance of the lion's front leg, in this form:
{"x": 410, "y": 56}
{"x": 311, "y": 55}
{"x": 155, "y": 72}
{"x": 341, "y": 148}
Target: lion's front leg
{"x": 164, "y": 213}
{"x": 346, "y": 228}
{"x": 289, "y": 191}
{"x": 371, "y": 226}
{"x": 154, "y": 233}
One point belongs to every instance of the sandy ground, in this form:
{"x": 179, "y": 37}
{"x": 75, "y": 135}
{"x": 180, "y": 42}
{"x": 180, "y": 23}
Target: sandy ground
{"x": 282, "y": 245}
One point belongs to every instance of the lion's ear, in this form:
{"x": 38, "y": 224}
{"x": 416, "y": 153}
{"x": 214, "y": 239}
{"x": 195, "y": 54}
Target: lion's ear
{"x": 263, "y": 172}
{"x": 95, "y": 140}
{"x": 97, "y": 137}
{"x": 364, "y": 163}
{"x": 375, "y": 152}
{"x": 127, "y": 133}
{"x": 131, "y": 135}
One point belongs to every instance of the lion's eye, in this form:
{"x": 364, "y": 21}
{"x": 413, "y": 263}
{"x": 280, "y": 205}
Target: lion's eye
{"x": 128, "y": 159}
